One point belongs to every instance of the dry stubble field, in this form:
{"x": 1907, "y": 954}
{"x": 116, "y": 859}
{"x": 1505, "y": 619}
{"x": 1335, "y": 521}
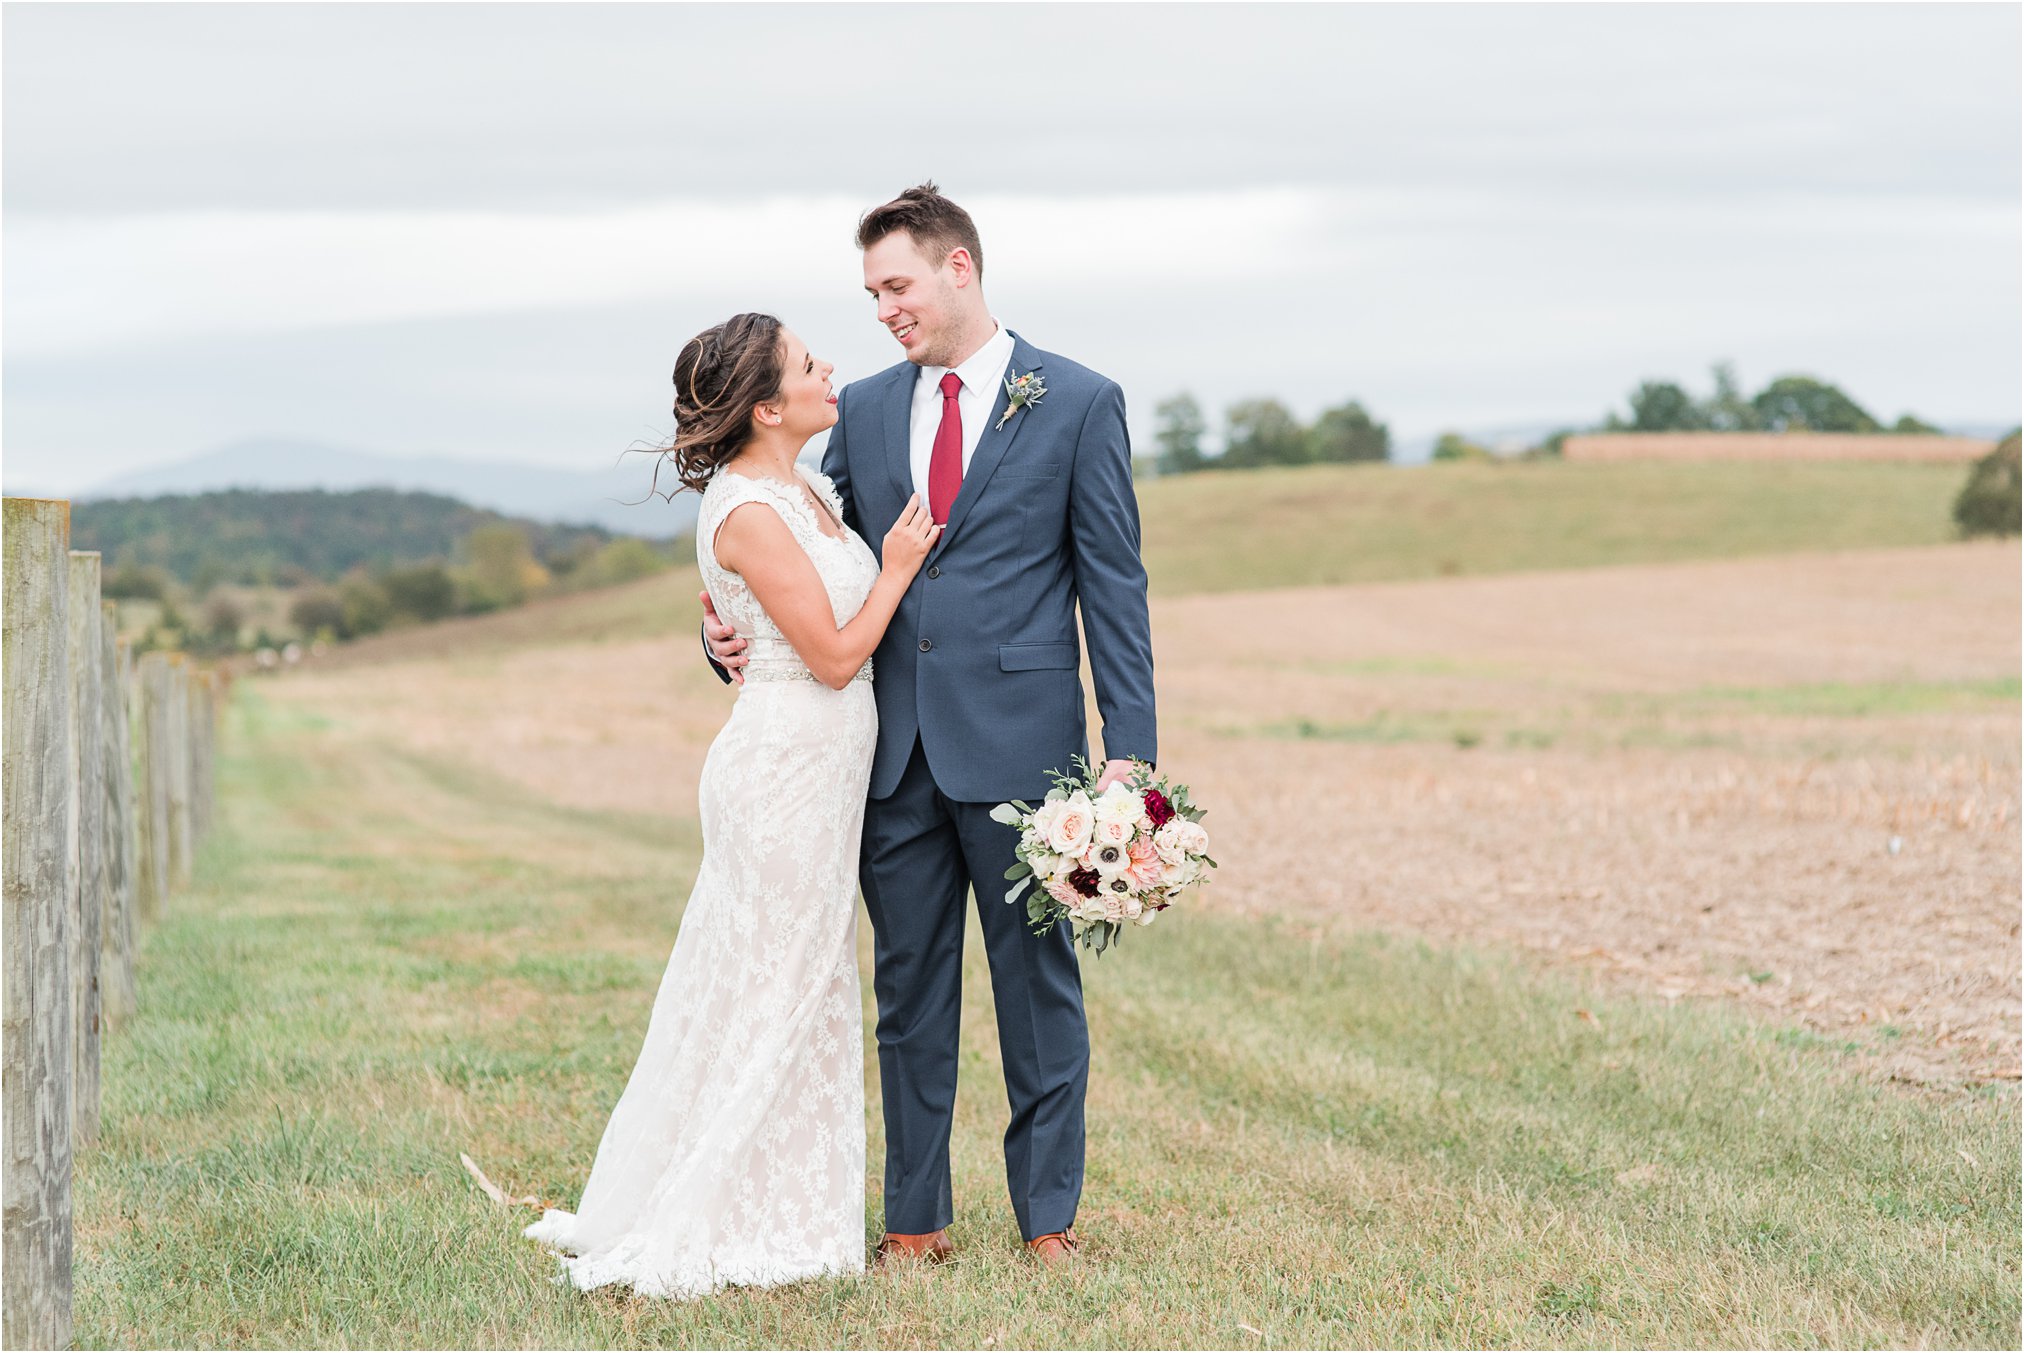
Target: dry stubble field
{"x": 1790, "y": 782}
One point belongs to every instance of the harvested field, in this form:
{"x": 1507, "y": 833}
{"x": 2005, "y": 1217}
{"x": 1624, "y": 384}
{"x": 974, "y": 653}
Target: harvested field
{"x": 1792, "y": 782}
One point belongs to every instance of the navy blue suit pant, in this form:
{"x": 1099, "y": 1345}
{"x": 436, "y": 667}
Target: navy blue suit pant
{"x": 923, "y": 854}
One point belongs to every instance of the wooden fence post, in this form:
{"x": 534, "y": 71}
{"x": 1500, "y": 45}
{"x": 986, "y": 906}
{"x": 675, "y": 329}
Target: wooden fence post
{"x": 87, "y": 837}
{"x": 202, "y": 723}
{"x": 216, "y": 691}
{"x": 35, "y": 1227}
{"x": 182, "y": 841}
{"x": 152, "y": 785}
{"x": 118, "y": 926}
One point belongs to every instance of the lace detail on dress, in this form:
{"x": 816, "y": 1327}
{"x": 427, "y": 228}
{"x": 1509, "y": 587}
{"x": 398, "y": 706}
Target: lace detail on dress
{"x": 772, "y": 658}
{"x": 736, "y": 1153}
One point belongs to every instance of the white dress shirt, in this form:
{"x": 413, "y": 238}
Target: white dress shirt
{"x": 983, "y": 377}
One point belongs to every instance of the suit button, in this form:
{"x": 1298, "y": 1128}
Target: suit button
{"x": 925, "y": 645}
{"x": 934, "y": 571}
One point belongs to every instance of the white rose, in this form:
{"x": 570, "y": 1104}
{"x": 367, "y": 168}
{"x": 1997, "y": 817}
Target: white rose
{"x": 1193, "y": 837}
{"x": 1168, "y": 841}
{"x": 1147, "y": 916}
{"x": 1133, "y": 908}
{"x": 1045, "y": 863}
{"x": 1041, "y": 825}
{"x": 1071, "y": 827}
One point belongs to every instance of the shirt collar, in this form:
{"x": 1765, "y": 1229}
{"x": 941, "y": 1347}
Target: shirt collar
{"x": 980, "y": 373}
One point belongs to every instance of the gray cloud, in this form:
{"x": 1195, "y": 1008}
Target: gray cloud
{"x": 1502, "y": 214}
{"x": 123, "y": 107}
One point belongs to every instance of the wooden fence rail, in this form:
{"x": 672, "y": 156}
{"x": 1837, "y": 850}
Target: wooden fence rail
{"x": 108, "y": 775}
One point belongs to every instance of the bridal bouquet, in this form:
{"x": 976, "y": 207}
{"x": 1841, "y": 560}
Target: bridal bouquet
{"x": 1105, "y": 861}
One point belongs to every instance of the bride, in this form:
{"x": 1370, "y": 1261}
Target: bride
{"x": 735, "y": 1154}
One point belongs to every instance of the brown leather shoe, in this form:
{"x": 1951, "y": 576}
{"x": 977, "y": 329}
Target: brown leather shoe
{"x": 1056, "y": 1249}
{"x": 933, "y": 1247}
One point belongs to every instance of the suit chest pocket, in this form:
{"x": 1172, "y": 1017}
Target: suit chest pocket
{"x": 1030, "y": 469}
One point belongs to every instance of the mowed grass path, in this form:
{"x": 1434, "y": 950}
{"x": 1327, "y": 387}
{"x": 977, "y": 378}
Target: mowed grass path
{"x": 1295, "y": 1138}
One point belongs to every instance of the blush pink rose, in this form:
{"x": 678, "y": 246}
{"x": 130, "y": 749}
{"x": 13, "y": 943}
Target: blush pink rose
{"x": 1148, "y": 874}
{"x": 1112, "y": 831}
{"x": 1069, "y": 834}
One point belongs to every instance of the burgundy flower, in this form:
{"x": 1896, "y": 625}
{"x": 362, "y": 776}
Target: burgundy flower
{"x": 1084, "y": 881}
{"x": 1158, "y": 809}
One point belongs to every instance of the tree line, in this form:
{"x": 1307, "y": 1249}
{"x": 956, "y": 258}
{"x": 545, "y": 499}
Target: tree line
{"x": 1787, "y": 404}
{"x": 356, "y": 562}
{"x": 287, "y": 538}
{"x": 1266, "y": 432}
{"x": 495, "y": 568}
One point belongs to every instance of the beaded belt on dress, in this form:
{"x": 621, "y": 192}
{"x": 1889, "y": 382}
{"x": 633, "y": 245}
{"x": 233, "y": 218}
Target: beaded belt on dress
{"x": 774, "y": 659}
{"x": 794, "y": 671}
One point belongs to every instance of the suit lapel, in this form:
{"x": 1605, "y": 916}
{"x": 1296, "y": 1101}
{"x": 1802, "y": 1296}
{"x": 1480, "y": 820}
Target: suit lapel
{"x": 998, "y": 436}
{"x": 899, "y": 437}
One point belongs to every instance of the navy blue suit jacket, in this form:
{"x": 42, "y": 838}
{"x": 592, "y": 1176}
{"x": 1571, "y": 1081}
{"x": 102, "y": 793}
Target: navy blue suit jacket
{"x": 981, "y": 660}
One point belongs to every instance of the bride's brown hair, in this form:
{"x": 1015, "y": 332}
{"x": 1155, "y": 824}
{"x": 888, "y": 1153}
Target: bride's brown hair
{"x": 719, "y": 375}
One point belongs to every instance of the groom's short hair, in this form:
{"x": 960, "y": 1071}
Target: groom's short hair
{"x": 936, "y": 224}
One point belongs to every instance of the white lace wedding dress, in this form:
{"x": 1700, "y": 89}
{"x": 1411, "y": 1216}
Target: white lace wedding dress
{"x": 736, "y": 1153}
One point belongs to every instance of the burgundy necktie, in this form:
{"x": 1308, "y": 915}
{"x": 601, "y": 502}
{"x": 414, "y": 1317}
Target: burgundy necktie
{"x": 945, "y": 465}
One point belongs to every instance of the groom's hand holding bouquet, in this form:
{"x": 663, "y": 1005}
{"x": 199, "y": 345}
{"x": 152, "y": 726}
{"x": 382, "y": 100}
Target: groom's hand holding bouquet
{"x": 1105, "y": 851}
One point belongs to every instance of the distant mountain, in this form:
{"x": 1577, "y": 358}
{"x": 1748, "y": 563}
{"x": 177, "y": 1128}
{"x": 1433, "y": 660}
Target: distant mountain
{"x": 537, "y": 492}
{"x": 264, "y": 536}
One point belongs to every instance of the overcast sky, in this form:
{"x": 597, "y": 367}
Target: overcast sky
{"x": 485, "y": 230}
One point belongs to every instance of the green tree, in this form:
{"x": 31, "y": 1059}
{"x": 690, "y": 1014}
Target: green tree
{"x": 1262, "y": 432}
{"x": 367, "y": 610}
{"x": 222, "y": 618}
{"x": 1992, "y": 501}
{"x": 130, "y": 581}
{"x": 1796, "y": 403}
{"x": 424, "y": 592}
{"x": 1348, "y": 433}
{"x": 1661, "y": 406}
{"x": 1728, "y": 409}
{"x": 1911, "y": 423}
{"x": 1179, "y": 432}
{"x": 1549, "y": 447}
{"x": 317, "y": 610}
{"x": 623, "y": 560}
{"x": 565, "y": 564}
{"x": 1452, "y": 446}
{"x": 502, "y": 569}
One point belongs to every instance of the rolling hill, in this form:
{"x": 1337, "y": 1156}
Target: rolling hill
{"x": 256, "y": 536}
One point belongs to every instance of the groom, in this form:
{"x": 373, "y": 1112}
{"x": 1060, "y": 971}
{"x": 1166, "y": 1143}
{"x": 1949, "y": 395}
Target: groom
{"x": 979, "y": 694}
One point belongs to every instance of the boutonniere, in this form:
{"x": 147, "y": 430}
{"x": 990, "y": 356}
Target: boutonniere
{"x": 1021, "y": 391}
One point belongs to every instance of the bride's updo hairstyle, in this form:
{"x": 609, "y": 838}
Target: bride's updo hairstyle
{"x": 719, "y": 375}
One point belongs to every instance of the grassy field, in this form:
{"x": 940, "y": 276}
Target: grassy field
{"x": 1299, "y": 1135}
{"x": 1317, "y": 525}
{"x": 1345, "y": 524}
